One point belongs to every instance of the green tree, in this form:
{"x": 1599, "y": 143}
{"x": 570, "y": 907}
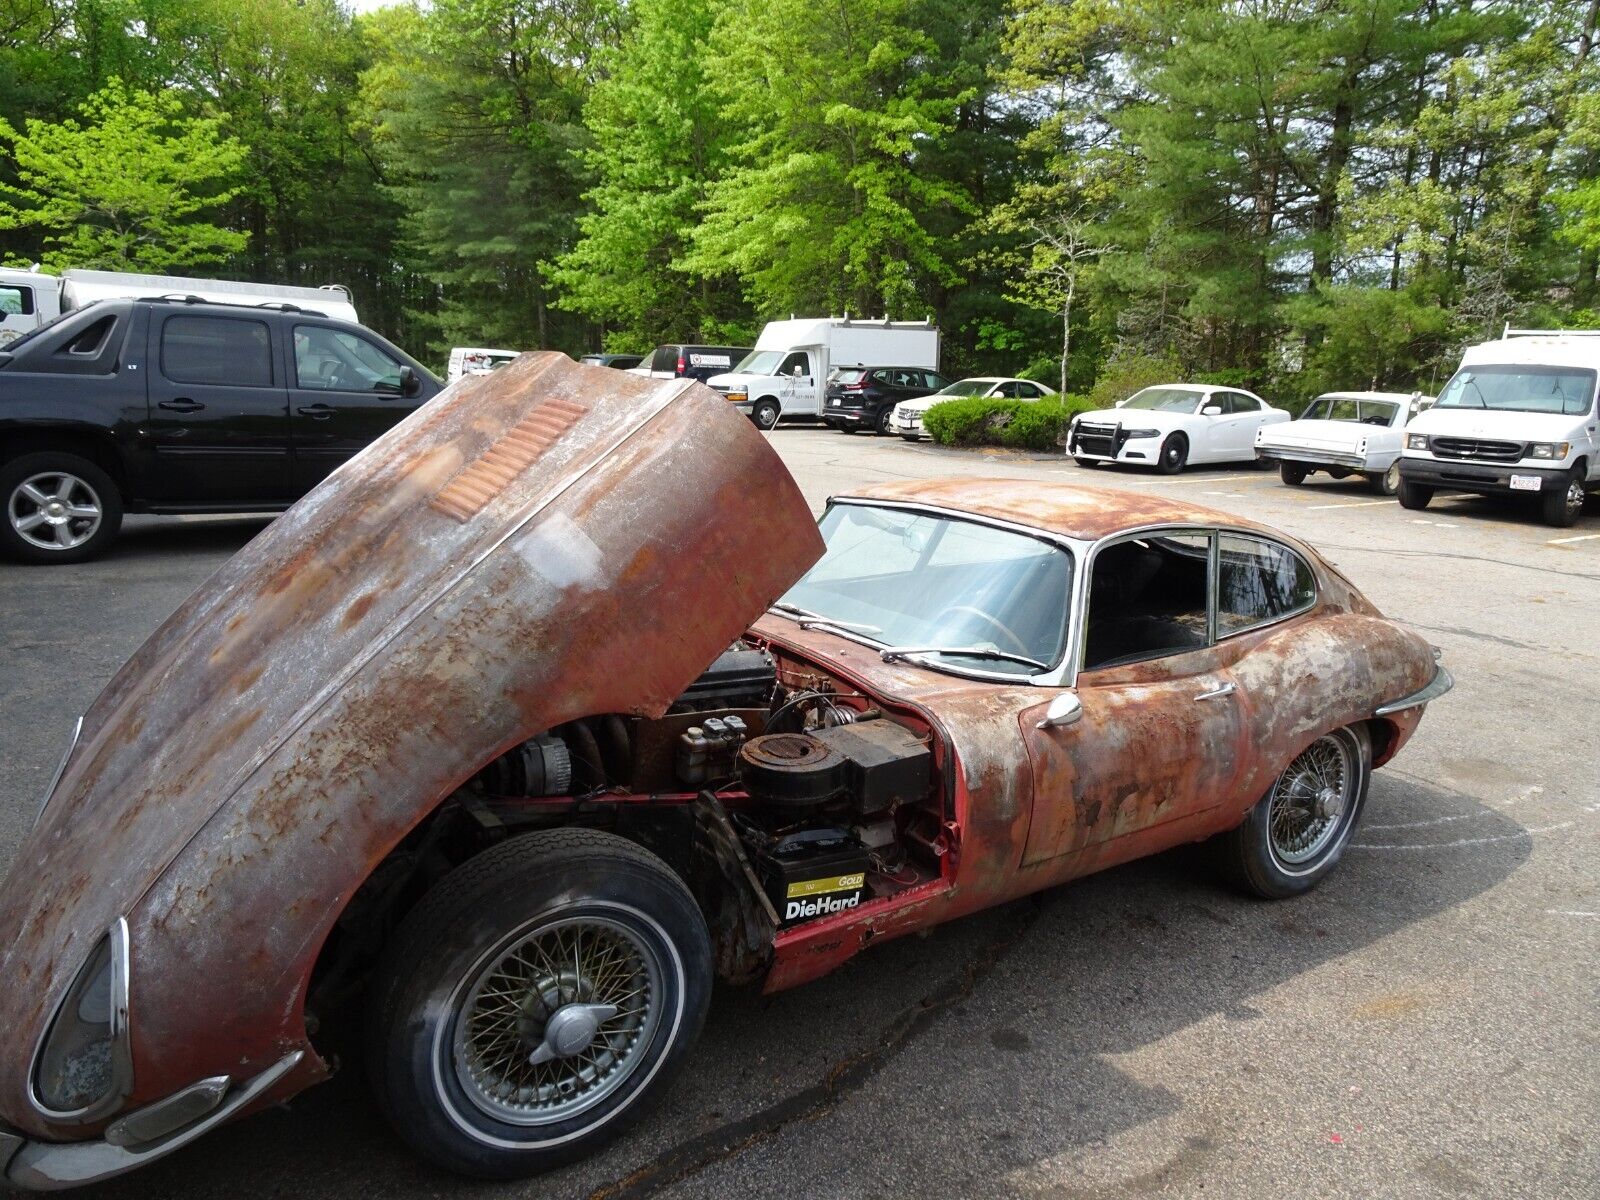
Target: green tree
{"x": 125, "y": 187}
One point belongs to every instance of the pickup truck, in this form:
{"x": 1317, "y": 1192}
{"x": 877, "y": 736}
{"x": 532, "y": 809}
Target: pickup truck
{"x": 180, "y": 405}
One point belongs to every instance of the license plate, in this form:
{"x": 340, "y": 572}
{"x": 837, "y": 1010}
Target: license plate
{"x": 1525, "y": 483}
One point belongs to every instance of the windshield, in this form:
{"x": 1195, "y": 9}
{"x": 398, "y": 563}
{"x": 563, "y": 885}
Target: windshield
{"x": 967, "y": 387}
{"x": 1346, "y": 408}
{"x": 760, "y": 362}
{"x": 1179, "y": 400}
{"x": 1566, "y": 390}
{"x": 907, "y": 579}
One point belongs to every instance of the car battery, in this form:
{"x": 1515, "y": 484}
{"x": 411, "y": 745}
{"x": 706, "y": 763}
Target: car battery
{"x": 813, "y": 873}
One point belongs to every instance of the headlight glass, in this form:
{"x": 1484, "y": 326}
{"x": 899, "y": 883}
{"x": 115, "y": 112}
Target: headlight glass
{"x": 83, "y": 1057}
{"x": 1556, "y": 450}
{"x": 1130, "y": 434}
{"x": 1416, "y": 441}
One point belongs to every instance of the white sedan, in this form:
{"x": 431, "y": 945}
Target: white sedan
{"x": 907, "y": 419}
{"x": 1170, "y": 426}
{"x": 1344, "y": 434}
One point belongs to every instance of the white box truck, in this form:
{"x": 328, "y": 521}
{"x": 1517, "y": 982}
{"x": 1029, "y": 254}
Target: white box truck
{"x": 30, "y": 298}
{"x": 1518, "y": 419}
{"x": 786, "y": 375}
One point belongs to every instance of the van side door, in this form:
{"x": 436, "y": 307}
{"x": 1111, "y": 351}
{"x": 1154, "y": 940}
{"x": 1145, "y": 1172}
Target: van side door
{"x": 219, "y": 410}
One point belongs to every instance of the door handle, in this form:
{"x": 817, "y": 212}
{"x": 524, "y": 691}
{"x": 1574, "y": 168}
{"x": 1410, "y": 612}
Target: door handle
{"x": 181, "y": 404}
{"x": 317, "y": 412}
{"x": 1226, "y": 689}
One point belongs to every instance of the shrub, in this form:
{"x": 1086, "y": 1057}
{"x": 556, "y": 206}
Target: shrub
{"x": 1018, "y": 424}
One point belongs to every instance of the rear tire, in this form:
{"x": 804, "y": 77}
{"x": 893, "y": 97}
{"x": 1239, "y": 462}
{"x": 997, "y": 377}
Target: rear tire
{"x": 1298, "y": 831}
{"x": 1414, "y": 495}
{"x": 1174, "y": 454}
{"x": 885, "y": 423}
{"x": 59, "y": 508}
{"x": 535, "y": 1001}
{"x": 1563, "y": 508}
{"x": 1385, "y": 483}
{"x": 1292, "y": 473}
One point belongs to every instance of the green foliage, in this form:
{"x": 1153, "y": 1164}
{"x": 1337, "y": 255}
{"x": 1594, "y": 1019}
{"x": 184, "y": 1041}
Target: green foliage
{"x": 1015, "y": 424}
{"x": 124, "y": 188}
{"x": 1124, "y": 376}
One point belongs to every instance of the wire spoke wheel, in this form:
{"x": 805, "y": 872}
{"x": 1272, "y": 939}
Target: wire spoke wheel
{"x": 1311, "y": 800}
{"x": 556, "y": 1019}
{"x": 54, "y": 510}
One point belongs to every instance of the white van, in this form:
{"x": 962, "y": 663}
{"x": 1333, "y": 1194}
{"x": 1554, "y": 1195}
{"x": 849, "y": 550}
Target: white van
{"x": 476, "y": 360}
{"x": 30, "y": 298}
{"x": 786, "y": 375}
{"x": 1518, "y": 418}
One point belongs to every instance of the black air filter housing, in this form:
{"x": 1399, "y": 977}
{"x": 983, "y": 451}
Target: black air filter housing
{"x": 886, "y": 763}
{"x": 794, "y": 771}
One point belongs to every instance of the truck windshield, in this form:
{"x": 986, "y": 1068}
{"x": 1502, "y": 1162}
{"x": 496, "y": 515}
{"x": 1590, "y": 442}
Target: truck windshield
{"x": 1179, "y": 400}
{"x": 1563, "y": 390}
{"x": 976, "y": 596}
{"x": 760, "y": 362}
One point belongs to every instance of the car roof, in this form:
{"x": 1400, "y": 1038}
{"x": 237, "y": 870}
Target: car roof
{"x": 1395, "y": 397}
{"x": 1085, "y": 514}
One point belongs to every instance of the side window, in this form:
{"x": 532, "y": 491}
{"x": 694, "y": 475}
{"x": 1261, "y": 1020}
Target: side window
{"x": 880, "y": 377}
{"x": 1259, "y": 581}
{"x": 15, "y": 301}
{"x": 338, "y": 360}
{"x": 906, "y": 380}
{"x": 1028, "y": 391}
{"x": 1148, "y": 597}
{"x": 665, "y": 359}
{"x": 797, "y": 359}
{"x": 218, "y": 350}
{"x": 933, "y": 382}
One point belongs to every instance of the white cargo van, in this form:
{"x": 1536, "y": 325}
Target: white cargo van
{"x": 476, "y": 360}
{"x": 1518, "y": 418}
{"x": 786, "y": 375}
{"x": 29, "y": 298}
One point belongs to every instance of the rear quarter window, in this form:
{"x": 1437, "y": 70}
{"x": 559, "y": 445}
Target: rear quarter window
{"x": 1260, "y": 581}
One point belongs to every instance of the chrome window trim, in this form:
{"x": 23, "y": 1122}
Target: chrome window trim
{"x": 1063, "y": 669}
{"x": 61, "y": 769}
{"x": 1316, "y": 590}
{"x": 1081, "y": 624}
{"x": 121, "y": 1045}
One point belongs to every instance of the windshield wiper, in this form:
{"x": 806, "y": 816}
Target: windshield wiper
{"x": 895, "y": 653}
{"x": 807, "y": 619}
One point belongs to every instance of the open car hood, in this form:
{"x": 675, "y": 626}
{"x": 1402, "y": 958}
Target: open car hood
{"x": 545, "y": 542}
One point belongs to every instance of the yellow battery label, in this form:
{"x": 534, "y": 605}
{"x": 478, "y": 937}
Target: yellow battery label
{"x": 835, "y": 883}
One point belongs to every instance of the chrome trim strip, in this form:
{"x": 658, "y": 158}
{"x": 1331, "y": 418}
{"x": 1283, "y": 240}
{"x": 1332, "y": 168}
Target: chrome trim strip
{"x": 61, "y": 769}
{"x": 1441, "y": 683}
{"x": 53, "y": 1166}
{"x": 121, "y": 1047}
{"x": 163, "y": 1118}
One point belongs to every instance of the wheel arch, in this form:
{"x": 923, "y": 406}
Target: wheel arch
{"x": 97, "y": 446}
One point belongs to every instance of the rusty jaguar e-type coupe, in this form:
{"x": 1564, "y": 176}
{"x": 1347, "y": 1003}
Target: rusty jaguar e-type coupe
{"x": 556, "y": 703}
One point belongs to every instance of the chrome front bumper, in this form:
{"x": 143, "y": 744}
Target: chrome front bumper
{"x": 1437, "y": 686}
{"x": 55, "y": 1166}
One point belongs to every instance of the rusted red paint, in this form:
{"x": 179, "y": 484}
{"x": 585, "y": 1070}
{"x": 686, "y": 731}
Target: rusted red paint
{"x": 277, "y": 736}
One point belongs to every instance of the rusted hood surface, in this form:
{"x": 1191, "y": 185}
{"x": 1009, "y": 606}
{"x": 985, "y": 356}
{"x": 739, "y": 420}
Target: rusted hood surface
{"x": 546, "y": 542}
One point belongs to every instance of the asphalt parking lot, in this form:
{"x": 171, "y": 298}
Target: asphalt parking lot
{"x": 1422, "y": 1025}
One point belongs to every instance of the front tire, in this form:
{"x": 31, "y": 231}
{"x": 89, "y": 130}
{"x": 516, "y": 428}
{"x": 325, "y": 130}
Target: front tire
{"x": 534, "y": 1002}
{"x": 59, "y": 508}
{"x": 765, "y": 414}
{"x": 1174, "y": 454}
{"x": 1563, "y": 508}
{"x": 1414, "y": 496}
{"x": 1298, "y": 831}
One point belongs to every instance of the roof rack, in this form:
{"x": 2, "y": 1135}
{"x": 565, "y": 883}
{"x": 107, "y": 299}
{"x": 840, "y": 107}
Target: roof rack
{"x": 186, "y": 298}
{"x": 1511, "y": 333}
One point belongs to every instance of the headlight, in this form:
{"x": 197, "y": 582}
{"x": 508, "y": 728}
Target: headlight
{"x": 1549, "y": 449}
{"x": 1416, "y": 441}
{"x": 83, "y": 1067}
{"x": 1130, "y": 434}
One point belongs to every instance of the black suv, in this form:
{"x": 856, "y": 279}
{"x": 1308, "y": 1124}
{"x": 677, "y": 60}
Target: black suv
{"x": 692, "y": 362}
{"x": 177, "y": 405}
{"x": 864, "y": 397}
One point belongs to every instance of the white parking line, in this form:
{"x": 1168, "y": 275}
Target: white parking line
{"x": 1582, "y": 537}
{"x": 1440, "y": 524}
{"x": 1351, "y": 504}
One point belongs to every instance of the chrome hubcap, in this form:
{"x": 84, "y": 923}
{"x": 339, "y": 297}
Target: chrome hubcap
{"x": 54, "y": 511}
{"x": 1574, "y": 494}
{"x": 557, "y": 1021}
{"x": 1310, "y": 799}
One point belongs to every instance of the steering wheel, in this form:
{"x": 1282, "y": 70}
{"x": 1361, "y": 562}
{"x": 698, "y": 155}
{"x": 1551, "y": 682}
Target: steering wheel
{"x": 994, "y": 623}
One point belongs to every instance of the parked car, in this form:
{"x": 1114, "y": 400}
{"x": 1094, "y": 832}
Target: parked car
{"x": 689, "y": 362}
{"x": 786, "y": 375}
{"x": 172, "y": 406}
{"x": 476, "y": 360}
{"x": 617, "y": 362}
{"x": 31, "y": 298}
{"x": 864, "y": 397}
{"x": 1518, "y": 419}
{"x": 1344, "y": 434}
{"x": 1172, "y": 426}
{"x": 480, "y": 751}
{"x": 908, "y": 414}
